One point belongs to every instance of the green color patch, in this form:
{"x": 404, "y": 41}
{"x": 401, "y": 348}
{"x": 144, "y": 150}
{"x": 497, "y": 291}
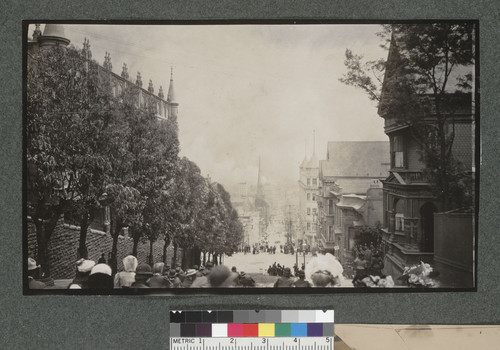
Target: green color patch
{"x": 282, "y": 330}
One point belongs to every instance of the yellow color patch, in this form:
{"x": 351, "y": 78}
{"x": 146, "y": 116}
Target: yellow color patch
{"x": 266, "y": 329}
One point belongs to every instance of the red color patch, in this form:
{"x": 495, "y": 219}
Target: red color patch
{"x": 250, "y": 330}
{"x": 234, "y": 330}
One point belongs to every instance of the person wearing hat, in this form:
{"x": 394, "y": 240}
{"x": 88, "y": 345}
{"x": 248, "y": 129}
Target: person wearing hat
{"x": 100, "y": 277}
{"x": 173, "y": 279}
{"x": 221, "y": 277}
{"x": 301, "y": 282}
{"x": 143, "y": 272}
{"x": 124, "y": 279}
{"x": 285, "y": 280}
{"x": 203, "y": 270}
{"x": 33, "y": 271}
{"x": 324, "y": 271}
{"x": 189, "y": 278}
{"x": 83, "y": 268}
{"x": 245, "y": 280}
{"x": 158, "y": 280}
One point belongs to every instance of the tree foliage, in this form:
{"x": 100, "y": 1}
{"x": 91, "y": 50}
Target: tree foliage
{"x": 88, "y": 149}
{"x": 427, "y": 83}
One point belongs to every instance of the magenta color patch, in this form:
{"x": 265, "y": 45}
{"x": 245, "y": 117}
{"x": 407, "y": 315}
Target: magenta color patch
{"x": 234, "y": 330}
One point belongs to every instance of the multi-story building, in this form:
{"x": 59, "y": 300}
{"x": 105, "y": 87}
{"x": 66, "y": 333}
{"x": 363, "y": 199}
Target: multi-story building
{"x": 308, "y": 207}
{"x": 350, "y": 193}
{"x": 410, "y": 206}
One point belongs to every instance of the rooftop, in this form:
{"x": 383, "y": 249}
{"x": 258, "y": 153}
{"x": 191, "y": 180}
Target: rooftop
{"x": 353, "y": 158}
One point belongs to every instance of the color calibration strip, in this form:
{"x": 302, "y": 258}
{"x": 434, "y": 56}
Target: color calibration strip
{"x": 261, "y": 324}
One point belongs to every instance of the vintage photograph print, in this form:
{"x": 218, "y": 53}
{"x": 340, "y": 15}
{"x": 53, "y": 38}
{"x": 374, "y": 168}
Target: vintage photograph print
{"x": 219, "y": 157}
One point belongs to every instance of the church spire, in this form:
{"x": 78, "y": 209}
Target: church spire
{"x": 314, "y": 142}
{"x": 171, "y": 94}
{"x": 172, "y": 104}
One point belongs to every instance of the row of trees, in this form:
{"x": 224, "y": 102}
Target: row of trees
{"x": 87, "y": 149}
{"x": 426, "y": 83}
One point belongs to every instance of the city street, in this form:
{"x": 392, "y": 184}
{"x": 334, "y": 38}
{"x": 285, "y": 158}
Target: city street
{"x": 259, "y": 263}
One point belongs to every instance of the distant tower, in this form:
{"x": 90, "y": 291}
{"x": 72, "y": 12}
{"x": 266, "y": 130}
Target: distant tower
{"x": 172, "y": 104}
{"x": 53, "y": 35}
{"x": 261, "y": 204}
{"x": 151, "y": 89}
{"x": 260, "y": 191}
{"x": 160, "y": 93}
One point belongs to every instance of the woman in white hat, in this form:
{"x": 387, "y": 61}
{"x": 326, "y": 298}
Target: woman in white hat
{"x": 100, "y": 277}
{"x": 324, "y": 271}
{"x": 126, "y": 278}
{"x": 83, "y": 268}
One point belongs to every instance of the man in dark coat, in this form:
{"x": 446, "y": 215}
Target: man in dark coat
{"x": 285, "y": 280}
{"x": 301, "y": 282}
{"x": 245, "y": 280}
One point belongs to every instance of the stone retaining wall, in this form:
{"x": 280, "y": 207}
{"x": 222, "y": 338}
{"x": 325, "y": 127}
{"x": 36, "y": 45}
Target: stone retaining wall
{"x": 64, "y": 244}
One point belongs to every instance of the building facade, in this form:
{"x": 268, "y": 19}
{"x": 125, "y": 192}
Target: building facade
{"x": 308, "y": 206}
{"x": 350, "y": 193}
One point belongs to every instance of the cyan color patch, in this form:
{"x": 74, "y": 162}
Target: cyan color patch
{"x": 299, "y": 329}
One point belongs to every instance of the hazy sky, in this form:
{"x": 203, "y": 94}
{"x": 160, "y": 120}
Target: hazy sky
{"x": 246, "y": 91}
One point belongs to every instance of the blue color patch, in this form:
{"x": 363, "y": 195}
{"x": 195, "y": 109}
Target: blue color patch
{"x": 299, "y": 329}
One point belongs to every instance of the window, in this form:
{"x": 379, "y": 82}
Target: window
{"x": 308, "y": 196}
{"x": 315, "y": 182}
{"x": 330, "y": 233}
{"x": 400, "y": 222}
{"x": 308, "y": 182}
{"x": 308, "y": 226}
{"x": 308, "y": 211}
{"x": 398, "y": 152}
{"x": 398, "y": 160}
{"x": 314, "y": 197}
{"x": 315, "y": 211}
{"x": 330, "y": 206}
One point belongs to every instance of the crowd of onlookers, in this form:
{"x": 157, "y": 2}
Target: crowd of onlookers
{"x": 90, "y": 275}
{"x": 321, "y": 271}
{"x": 368, "y": 261}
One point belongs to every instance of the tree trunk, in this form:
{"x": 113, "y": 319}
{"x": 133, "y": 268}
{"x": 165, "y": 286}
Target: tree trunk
{"x": 196, "y": 256}
{"x": 185, "y": 259}
{"x": 151, "y": 258}
{"x": 44, "y": 230}
{"x": 135, "y": 245}
{"x": 174, "y": 258}
{"x": 82, "y": 244}
{"x": 220, "y": 259}
{"x": 204, "y": 258}
{"x": 165, "y": 246}
{"x": 113, "y": 262}
{"x": 214, "y": 259}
